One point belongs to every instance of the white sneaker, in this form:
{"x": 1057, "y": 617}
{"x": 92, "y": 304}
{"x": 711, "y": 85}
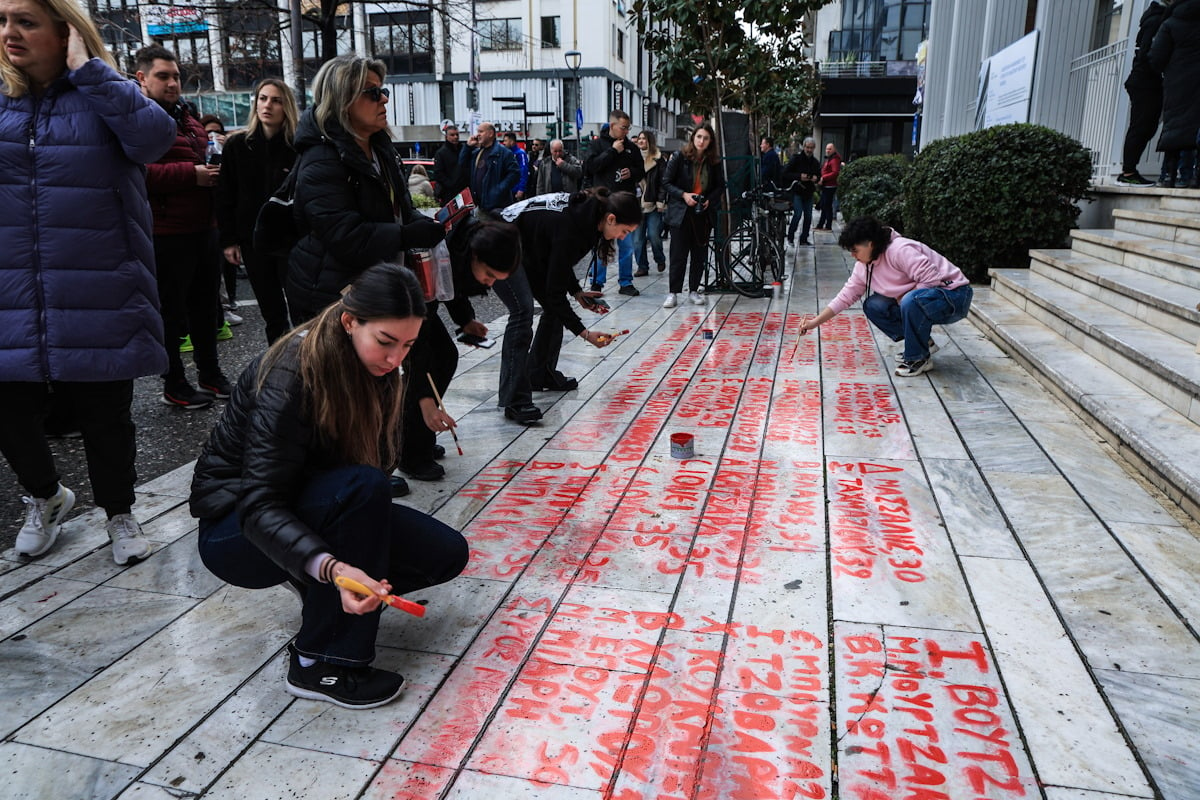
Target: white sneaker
{"x": 43, "y": 520}
{"x": 695, "y": 298}
{"x": 232, "y": 318}
{"x": 672, "y": 298}
{"x": 933, "y": 348}
{"x": 127, "y": 541}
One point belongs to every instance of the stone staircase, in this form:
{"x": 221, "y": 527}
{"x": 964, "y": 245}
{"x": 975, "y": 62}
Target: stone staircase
{"x": 1111, "y": 327}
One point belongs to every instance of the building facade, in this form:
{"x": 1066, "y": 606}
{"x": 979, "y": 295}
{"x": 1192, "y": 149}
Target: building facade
{"x": 447, "y": 59}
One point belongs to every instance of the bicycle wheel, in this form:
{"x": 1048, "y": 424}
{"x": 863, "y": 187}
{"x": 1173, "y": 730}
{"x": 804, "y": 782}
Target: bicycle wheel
{"x": 743, "y": 259}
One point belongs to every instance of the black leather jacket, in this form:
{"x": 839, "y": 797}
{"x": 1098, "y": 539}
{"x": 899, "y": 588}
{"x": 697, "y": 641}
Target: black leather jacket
{"x": 259, "y": 455}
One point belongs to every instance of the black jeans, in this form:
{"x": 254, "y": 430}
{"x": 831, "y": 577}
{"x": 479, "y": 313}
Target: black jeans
{"x": 100, "y": 409}
{"x": 266, "y": 274}
{"x": 547, "y": 345}
{"x": 188, "y": 292}
{"x": 517, "y": 297}
{"x": 689, "y": 241}
{"x": 828, "y": 212}
{"x": 1145, "y": 109}
{"x": 350, "y": 508}
{"x": 435, "y": 355}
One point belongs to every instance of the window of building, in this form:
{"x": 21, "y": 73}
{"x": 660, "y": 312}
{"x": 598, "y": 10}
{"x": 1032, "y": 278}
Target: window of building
{"x": 551, "y": 36}
{"x": 1108, "y": 22}
{"x": 500, "y": 34}
{"x": 446, "y": 99}
{"x": 403, "y": 40}
{"x": 253, "y": 44}
{"x": 880, "y": 30}
{"x": 619, "y": 44}
{"x": 119, "y": 25}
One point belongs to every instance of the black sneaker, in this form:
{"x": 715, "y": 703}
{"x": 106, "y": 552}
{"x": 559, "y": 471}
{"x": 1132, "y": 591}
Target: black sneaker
{"x": 183, "y": 395}
{"x": 430, "y": 471}
{"x": 439, "y": 452}
{"x": 641, "y": 273}
{"x": 526, "y": 414}
{"x": 348, "y": 687}
{"x": 911, "y": 369}
{"x": 597, "y": 287}
{"x": 399, "y": 486}
{"x": 1134, "y": 179}
{"x": 629, "y": 291}
{"x": 218, "y": 386}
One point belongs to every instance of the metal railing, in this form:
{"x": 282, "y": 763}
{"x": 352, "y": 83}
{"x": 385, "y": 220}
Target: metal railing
{"x": 1097, "y": 78}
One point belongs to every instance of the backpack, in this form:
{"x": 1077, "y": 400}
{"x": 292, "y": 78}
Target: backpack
{"x": 275, "y": 228}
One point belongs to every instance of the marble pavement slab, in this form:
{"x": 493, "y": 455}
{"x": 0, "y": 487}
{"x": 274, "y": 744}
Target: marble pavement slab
{"x": 34, "y": 773}
{"x": 1073, "y": 739}
{"x": 272, "y": 770}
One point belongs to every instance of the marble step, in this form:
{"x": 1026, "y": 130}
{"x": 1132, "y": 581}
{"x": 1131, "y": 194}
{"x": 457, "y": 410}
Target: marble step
{"x": 1164, "y": 365}
{"x": 1174, "y": 261}
{"x": 1185, "y": 200}
{"x": 1169, "y": 226}
{"x": 1157, "y": 440}
{"x": 1162, "y": 303}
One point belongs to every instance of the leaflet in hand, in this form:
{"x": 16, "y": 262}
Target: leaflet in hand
{"x": 459, "y": 207}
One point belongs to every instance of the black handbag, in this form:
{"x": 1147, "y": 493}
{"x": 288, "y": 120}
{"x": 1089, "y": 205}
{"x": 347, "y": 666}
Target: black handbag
{"x": 275, "y": 229}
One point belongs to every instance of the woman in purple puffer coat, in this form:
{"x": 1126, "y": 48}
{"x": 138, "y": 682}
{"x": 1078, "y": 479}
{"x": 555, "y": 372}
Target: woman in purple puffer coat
{"x": 78, "y": 301}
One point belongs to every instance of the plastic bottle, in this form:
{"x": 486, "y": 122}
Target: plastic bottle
{"x": 212, "y": 154}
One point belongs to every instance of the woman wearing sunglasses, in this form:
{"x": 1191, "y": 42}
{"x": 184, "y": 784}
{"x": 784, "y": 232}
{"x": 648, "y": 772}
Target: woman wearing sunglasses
{"x": 352, "y": 201}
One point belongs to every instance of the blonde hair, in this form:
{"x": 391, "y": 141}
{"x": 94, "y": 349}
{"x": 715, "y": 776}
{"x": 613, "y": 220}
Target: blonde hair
{"x": 338, "y": 84}
{"x": 291, "y": 112}
{"x": 14, "y": 82}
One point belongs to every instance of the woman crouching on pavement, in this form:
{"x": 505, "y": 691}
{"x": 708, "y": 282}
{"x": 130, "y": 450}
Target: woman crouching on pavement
{"x": 293, "y": 485}
{"x": 909, "y": 288}
{"x": 481, "y": 253}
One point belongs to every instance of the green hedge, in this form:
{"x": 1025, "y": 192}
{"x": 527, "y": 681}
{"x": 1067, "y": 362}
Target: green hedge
{"x": 986, "y": 198}
{"x": 873, "y": 186}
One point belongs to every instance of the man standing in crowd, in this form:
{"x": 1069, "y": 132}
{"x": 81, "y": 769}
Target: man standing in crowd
{"x": 537, "y": 151}
{"x": 447, "y": 177}
{"x": 769, "y": 167}
{"x": 1145, "y": 88}
{"x": 510, "y": 141}
{"x": 489, "y": 169}
{"x": 616, "y": 163}
{"x": 180, "y": 185}
{"x": 802, "y": 169}
{"x": 559, "y": 171}
{"x": 829, "y": 181}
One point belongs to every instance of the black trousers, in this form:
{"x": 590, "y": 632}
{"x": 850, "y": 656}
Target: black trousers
{"x": 1145, "y": 110}
{"x": 351, "y": 509}
{"x": 102, "y": 412}
{"x": 434, "y": 354}
{"x": 188, "y": 293}
{"x": 266, "y": 274}
{"x": 689, "y": 241}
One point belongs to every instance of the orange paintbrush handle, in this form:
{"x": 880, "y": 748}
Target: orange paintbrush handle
{"x": 395, "y": 601}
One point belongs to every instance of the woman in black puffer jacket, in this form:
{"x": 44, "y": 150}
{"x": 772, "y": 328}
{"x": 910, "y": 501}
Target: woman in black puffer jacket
{"x": 293, "y": 486}
{"x": 351, "y": 198}
{"x": 1175, "y": 53}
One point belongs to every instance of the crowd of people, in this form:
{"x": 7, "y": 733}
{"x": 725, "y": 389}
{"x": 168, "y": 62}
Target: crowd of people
{"x": 121, "y": 223}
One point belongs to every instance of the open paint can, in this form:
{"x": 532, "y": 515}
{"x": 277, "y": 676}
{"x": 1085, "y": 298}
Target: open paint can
{"x": 683, "y": 445}
{"x": 707, "y": 333}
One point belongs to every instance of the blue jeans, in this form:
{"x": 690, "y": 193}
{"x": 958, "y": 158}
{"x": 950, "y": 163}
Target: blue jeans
{"x": 351, "y": 509}
{"x": 624, "y": 264}
{"x": 914, "y": 316}
{"x": 517, "y": 297}
{"x": 649, "y": 232}
{"x": 801, "y": 208}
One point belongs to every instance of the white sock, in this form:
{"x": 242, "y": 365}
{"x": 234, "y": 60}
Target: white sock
{"x": 305, "y": 661}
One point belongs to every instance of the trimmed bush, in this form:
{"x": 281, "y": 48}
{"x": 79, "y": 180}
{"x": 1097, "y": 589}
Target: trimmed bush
{"x": 986, "y": 198}
{"x": 873, "y": 186}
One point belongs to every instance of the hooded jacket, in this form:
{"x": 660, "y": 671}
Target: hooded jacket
{"x": 557, "y": 231}
{"x": 905, "y": 265}
{"x": 78, "y": 296}
{"x": 348, "y": 213}
{"x": 1176, "y": 53}
{"x": 604, "y": 161}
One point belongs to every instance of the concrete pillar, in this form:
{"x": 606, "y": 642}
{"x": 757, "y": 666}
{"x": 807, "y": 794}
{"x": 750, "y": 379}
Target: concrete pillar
{"x": 962, "y": 83}
{"x": 937, "y": 69}
{"x": 1003, "y": 24}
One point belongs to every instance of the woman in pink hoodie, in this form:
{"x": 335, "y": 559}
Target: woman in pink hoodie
{"x": 909, "y": 288}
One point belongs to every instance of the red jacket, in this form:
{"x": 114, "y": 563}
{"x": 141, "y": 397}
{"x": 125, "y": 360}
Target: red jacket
{"x": 178, "y": 203}
{"x": 830, "y": 170}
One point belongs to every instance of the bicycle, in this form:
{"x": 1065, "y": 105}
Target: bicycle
{"x": 753, "y": 255}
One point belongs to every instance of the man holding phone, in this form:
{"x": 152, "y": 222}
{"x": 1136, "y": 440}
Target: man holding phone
{"x": 615, "y": 162}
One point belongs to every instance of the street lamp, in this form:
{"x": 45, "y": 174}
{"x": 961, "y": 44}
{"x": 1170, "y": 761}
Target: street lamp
{"x": 573, "y": 57}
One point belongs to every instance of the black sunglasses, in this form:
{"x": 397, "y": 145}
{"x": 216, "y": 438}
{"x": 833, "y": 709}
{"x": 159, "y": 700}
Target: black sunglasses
{"x": 377, "y": 93}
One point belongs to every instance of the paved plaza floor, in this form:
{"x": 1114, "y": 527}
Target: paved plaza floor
{"x": 858, "y": 586}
